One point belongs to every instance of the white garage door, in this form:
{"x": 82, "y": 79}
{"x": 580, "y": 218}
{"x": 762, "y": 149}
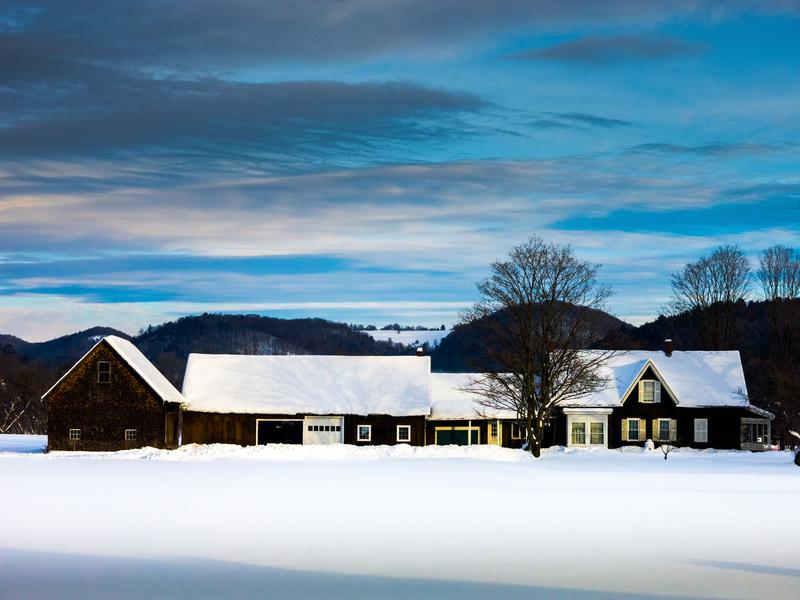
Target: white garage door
{"x": 323, "y": 430}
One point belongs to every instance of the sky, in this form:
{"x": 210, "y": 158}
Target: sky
{"x": 367, "y": 161}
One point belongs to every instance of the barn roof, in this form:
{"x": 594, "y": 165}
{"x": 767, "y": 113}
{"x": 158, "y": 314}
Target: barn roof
{"x": 307, "y": 384}
{"x": 695, "y": 378}
{"x": 451, "y": 401}
{"x": 133, "y": 357}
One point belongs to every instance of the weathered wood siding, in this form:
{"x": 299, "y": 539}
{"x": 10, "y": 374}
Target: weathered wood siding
{"x": 230, "y": 428}
{"x": 103, "y": 411}
{"x": 384, "y": 429}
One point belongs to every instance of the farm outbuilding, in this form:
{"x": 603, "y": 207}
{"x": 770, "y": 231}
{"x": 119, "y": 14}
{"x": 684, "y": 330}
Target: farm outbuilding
{"x": 113, "y": 398}
{"x": 304, "y": 399}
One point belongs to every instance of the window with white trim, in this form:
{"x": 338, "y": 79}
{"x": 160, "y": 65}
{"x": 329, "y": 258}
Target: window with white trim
{"x": 74, "y": 435}
{"x": 364, "y": 433}
{"x": 103, "y": 372}
{"x": 579, "y": 433}
{"x": 665, "y": 430}
{"x": 701, "y": 431}
{"x": 130, "y": 435}
{"x": 404, "y": 433}
{"x": 650, "y": 391}
{"x": 597, "y": 434}
{"x": 517, "y": 431}
{"x": 633, "y": 430}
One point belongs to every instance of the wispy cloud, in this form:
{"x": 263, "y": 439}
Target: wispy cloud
{"x": 716, "y": 148}
{"x": 595, "y": 50}
{"x": 576, "y": 120}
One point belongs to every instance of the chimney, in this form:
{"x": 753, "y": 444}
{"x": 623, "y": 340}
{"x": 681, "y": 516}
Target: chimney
{"x": 668, "y": 347}
{"x": 420, "y": 351}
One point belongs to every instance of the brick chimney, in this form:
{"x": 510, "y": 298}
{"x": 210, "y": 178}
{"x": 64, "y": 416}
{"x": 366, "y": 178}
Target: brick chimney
{"x": 420, "y": 351}
{"x": 668, "y": 347}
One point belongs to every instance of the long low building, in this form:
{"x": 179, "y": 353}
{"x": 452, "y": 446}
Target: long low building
{"x": 114, "y": 398}
{"x": 301, "y": 399}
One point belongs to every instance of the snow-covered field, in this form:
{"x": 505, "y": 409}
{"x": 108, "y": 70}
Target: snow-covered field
{"x": 409, "y": 338}
{"x": 346, "y": 522}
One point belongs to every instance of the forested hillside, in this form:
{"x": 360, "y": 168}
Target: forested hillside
{"x": 764, "y": 332}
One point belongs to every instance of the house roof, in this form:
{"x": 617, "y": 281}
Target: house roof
{"x": 695, "y": 379}
{"x": 451, "y": 401}
{"x": 303, "y": 384}
{"x": 133, "y": 357}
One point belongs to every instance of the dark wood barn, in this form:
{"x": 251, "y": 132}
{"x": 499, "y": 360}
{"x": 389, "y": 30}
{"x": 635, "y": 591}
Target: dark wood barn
{"x": 360, "y": 400}
{"x": 112, "y": 399}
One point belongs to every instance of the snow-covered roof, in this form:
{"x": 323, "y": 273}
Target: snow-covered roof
{"x": 450, "y": 400}
{"x": 303, "y": 384}
{"x": 695, "y": 378}
{"x": 133, "y": 357}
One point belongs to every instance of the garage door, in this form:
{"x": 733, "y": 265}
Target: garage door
{"x": 279, "y": 432}
{"x": 458, "y": 436}
{"x": 323, "y": 430}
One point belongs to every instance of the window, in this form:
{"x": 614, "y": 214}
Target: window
{"x": 130, "y": 435}
{"x": 596, "y": 433}
{"x": 364, "y": 433}
{"x": 755, "y": 431}
{"x": 517, "y": 431}
{"x": 665, "y": 430}
{"x": 103, "y": 372}
{"x": 74, "y": 434}
{"x": 579, "y": 433}
{"x": 493, "y": 429}
{"x": 404, "y": 433}
{"x": 633, "y": 430}
{"x": 701, "y": 431}
{"x": 649, "y": 391}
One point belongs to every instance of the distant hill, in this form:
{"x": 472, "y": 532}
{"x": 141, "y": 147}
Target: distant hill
{"x": 463, "y": 349}
{"x": 64, "y": 349}
{"x": 169, "y": 345}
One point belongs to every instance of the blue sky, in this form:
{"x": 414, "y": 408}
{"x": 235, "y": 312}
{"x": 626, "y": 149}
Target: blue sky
{"x": 366, "y": 162}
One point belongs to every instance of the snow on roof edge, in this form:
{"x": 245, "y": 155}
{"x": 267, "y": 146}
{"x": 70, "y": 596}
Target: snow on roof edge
{"x": 165, "y": 395}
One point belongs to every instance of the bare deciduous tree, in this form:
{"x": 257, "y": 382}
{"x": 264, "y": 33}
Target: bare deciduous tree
{"x": 536, "y": 311}
{"x": 709, "y": 289}
{"x": 779, "y": 273}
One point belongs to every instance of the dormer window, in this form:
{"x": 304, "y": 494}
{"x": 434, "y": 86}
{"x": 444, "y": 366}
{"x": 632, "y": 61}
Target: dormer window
{"x": 103, "y": 372}
{"x": 649, "y": 392}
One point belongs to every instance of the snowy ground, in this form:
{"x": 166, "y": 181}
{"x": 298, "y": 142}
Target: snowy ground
{"x": 410, "y": 338}
{"x": 345, "y": 522}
